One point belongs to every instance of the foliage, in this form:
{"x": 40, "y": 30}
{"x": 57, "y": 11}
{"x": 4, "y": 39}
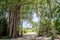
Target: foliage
{"x": 48, "y": 12}
{"x": 3, "y": 26}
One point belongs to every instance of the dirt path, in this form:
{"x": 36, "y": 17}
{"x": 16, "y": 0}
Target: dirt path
{"x": 29, "y": 36}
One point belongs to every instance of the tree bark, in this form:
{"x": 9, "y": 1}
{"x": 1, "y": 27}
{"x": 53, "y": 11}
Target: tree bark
{"x": 13, "y": 22}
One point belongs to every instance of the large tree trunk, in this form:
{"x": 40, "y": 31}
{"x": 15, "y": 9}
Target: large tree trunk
{"x": 13, "y": 22}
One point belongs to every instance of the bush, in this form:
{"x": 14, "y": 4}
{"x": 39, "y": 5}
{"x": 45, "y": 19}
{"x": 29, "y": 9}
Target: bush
{"x": 3, "y": 27}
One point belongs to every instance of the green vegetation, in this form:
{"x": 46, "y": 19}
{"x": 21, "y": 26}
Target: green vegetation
{"x": 13, "y": 13}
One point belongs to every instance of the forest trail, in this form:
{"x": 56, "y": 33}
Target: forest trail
{"x": 29, "y": 33}
{"x": 30, "y": 36}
